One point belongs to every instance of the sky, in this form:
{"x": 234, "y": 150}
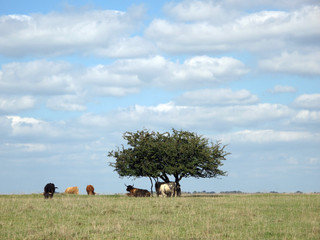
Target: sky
{"x": 76, "y": 75}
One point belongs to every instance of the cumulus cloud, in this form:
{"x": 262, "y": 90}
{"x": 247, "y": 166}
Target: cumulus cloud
{"x": 67, "y": 103}
{"x": 11, "y": 105}
{"x": 199, "y": 11}
{"x": 314, "y": 161}
{"x": 308, "y": 101}
{"x": 168, "y": 115}
{"x": 192, "y": 72}
{"x": 126, "y": 48}
{"x": 217, "y": 97}
{"x": 307, "y": 117}
{"x": 248, "y": 4}
{"x": 66, "y": 33}
{"x": 282, "y": 89}
{"x": 219, "y": 11}
{"x": 34, "y": 130}
{"x": 26, "y": 147}
{"x": 30, "y": 127}
{"x": 38, "y": 77}
{"x": 258, "y": 32}
{"x": 107, "y": 81}
{"x": 67, "y": 86}
{"x": 269, "y": 136}
{"x": 294, "y": 63}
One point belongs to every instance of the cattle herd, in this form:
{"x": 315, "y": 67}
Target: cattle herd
{"x": 163, "y": 189}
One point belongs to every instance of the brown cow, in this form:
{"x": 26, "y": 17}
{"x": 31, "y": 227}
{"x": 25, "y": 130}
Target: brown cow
{"x": 90, "y": 190}
{"x": 136, "y": 192}
{"x": 72, "y": 190}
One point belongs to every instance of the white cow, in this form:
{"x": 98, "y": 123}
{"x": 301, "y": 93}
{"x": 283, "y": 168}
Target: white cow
{"x": 166, "y": 189}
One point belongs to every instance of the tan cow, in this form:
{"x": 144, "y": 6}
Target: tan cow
{"x": 90, "y": 190}
{"x": 72, "y": 190}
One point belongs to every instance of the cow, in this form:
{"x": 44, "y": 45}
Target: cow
{"x": 90, "y": 190}
{"x": 72, "y": 190}
{"x": 136, "y": 192}
{"x": 49, "y": 190}
{"x": 170, "y": 189}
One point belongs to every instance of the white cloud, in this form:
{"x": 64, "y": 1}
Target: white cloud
{"x": 282, "y": 89}
{"x": 263, "y": 31}
{"x": 294, "y": 63}
{"x": 11, "y": 105}
{"x": 314, "y": 161}
{"x": 217, "y": 97}
{"x": 27, "y": 130}
{"x": 37, "y": 77}
{"x": 258, "y": 4}
{"x": 5, "y": 128}
{"x": 126, "y": 48}
{"x": 168, "y": 115}
{"x": 27, "y": 147}
{"x": 28, "y": 126}
{"x": 269, "y": 136}
{"x": 192, "y": 72}
{"x": 308, "y": 101}
{"x": 223, "y": 10}
{"x": 104, "y": 80}
{"x": 67, "y": 86}
{"x": 67, "y": 103}
{"x": 307, "y": 117}
{"x": 65, "y": 33}
{"x": 199, "y": 11}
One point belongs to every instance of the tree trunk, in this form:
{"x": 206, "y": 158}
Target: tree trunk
{"x": 178, "y": 187}
{"x": 151, "y": 186}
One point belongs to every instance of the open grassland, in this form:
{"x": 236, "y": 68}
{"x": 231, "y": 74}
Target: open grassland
{"x": 258, "y": 216}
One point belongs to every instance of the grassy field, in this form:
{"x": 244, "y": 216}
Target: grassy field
{"x": 257, "y": 216}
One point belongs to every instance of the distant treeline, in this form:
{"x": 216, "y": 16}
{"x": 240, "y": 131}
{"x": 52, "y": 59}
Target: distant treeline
{"x": 234, "y": 192}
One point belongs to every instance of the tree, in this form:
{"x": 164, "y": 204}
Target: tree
{"x": 179, "y": 154}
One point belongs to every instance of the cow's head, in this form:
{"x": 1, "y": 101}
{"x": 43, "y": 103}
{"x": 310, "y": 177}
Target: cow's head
{"x": 129, "y": 187}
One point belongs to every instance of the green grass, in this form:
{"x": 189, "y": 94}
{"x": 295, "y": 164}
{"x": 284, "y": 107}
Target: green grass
{"x": 263, "y": 216}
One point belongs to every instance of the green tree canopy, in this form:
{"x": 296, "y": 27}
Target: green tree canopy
{"x": 180, "y": 154}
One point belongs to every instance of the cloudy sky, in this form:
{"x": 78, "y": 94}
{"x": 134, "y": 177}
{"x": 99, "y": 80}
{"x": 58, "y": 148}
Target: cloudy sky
{"x": 75, "y": 75}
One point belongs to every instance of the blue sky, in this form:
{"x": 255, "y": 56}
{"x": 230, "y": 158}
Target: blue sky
{"x": 75, "y": 75}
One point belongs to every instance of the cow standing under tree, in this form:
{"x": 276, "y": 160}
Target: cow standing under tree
{"x": 170, "y": 189}
{"x": 136, "y": 192}
{"x": 49, "y": 190}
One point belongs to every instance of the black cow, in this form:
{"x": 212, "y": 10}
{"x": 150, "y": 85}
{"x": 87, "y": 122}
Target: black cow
{"x": 49, "y": 190}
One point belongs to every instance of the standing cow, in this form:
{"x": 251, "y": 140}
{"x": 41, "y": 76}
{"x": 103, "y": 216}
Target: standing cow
{"x": 136, "y": 192}
{"x": 49, "y": 190}
{"x": 72, "y": 190}
{"x": 170, "y": 189}
{"x": 90, "y": 190}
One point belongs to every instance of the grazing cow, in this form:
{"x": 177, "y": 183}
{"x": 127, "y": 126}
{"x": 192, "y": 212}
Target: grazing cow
{"x": 90, "y": 190}
{"x": 136, "y": 192}
{"x": 169, "y": 189}
{"x": 72, "y": 190}
{"x": 49, "y": 190}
